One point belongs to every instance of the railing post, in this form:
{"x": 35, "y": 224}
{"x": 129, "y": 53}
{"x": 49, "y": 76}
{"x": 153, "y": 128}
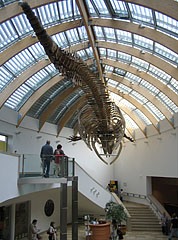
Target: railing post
{"x": 23, "y": 159}
{"x": 73, "y": 167}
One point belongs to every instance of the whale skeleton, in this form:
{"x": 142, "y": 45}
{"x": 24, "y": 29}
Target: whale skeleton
{"x": 100, "y": 121}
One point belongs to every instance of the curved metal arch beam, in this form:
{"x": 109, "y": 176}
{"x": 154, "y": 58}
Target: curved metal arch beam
{"x": 28, "y": 41}
{"x": 13, "y": 86}
{"x": 69, "y": 113}
{"x": 137, "y": 105}
{"x": 135, "y": 118}
{"x": 167, "y": 7}
{"x": 143, "y": 91}
{"x": 152, "y": 34}
{"x": 26, "y": 107}
{"x": 51, "y": 107}
{"x": 158, "y": 84}
{"x": 84, "y": 14}
{"x": 150, "y": 58}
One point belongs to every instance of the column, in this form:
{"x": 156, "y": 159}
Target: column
{"x": 75, "y": 208}
{"x": 63, "y": 211}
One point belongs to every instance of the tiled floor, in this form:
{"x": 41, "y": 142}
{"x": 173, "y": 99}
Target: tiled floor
{"x": 128, "y": 236}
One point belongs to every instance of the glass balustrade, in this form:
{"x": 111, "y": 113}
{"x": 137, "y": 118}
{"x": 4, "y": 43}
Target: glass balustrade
{"x": 31, "y": 165}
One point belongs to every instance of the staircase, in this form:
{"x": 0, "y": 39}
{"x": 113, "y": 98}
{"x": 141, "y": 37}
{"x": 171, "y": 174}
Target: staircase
{"x": 142, "y": 218}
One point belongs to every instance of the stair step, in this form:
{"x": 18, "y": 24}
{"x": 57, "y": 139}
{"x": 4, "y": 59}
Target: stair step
{"x": 143, "y": 219}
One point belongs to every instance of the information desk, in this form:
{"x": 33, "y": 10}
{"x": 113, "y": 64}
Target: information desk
{"x": 100, "y": 231}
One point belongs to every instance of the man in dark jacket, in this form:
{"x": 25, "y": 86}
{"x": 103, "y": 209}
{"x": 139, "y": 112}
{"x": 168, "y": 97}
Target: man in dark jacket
{"x": 46, "y": 157}
{"x": 174, "y": 226}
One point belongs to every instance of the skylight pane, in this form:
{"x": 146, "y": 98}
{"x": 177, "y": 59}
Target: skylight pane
{"x": 76, "y": 10}
{"x": 38, "y": 79}
{"x": 102, "y": 52}
{"x": 89, "y": 52}
{"x": 22, "y": 25}
{"x": 82, "y": 54}
{"x": 141, "y": 64}
{"x": 5, "y": 78}
{"x": 123, "y": 57}
{"x": 101, "y": 6}
{"x": 123, "y": 89}
{"x": 48, "y": 14}
{"x": 37, "y": 50}
{"x": 173, "y": 84}
{"x": 110, "y": 34}
{"x": 109, "y": 68}
{"x": 18, "y": 63}
{"x": 119, "y": 7}
{"x": 52, "y": 70}
{"x": 142, "y": 117}
{"x": 115, "y": 97}
{"x": 83, "y": 34}
{"x": 152, "y": 89}
{"x": 143, "y": 42}
{"x": 159, "y": 74}
{"x": 141, "y": 13}
{"x": 90, "y": 7}
{"x": 18, "y": 96}
{"x": 65, "y": 10}
{"x": 168, "y": 103}
{"x": 119, "y": 72}
{"x": 111, "y": 53}
{"x": 123, "y": 36}
{"x": 139, "y": 97}
{"x": 7, "y": 35}
{"x": 61, "y": 40}
{"x": 133, "y": 78}
{"x": 128, "y": 104}
{"x": 166, "y": 22}
{"x": 166, "y": 53}
{"x": 98, "y": 32}
{"x": 112, "y": 83}
{"x": 129, "y": 122}
{"x": 72, "y": 36}
{"x": 158, "y": 115}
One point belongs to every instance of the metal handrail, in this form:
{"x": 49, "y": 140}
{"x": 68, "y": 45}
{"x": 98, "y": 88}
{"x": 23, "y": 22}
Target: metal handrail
{"x": 152, "y": 204}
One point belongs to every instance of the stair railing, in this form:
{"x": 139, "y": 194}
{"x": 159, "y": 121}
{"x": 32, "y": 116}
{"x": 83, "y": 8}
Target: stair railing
{"x": 154, "y": 204}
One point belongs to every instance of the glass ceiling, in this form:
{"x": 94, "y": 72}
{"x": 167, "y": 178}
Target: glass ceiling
{"x": 135, "y": 70}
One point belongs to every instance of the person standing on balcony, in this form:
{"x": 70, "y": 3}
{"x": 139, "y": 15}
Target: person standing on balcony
{"x": 58, "y": 153}
{"x": 46, "y": 157}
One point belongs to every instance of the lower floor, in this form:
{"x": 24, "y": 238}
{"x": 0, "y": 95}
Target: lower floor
{"x": 128, "y": 236}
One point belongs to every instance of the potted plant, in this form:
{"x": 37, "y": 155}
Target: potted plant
{"x": 116, "y": 212}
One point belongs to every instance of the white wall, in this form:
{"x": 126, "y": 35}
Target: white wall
{"x": 9, "y": 176}
{"x": 155, "y": 156}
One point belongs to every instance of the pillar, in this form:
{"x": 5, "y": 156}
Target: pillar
{"x": 75, "y": 208}
{"x": 63, "y": 211}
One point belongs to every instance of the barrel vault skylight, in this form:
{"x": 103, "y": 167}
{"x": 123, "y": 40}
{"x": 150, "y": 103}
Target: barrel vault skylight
{"x": 137, "y": 48}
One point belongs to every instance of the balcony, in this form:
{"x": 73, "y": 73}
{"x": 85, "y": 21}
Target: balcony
{"x": 31, "y": 170}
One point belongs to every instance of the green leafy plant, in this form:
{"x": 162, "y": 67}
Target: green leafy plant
{"x": 115, "y": 212}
